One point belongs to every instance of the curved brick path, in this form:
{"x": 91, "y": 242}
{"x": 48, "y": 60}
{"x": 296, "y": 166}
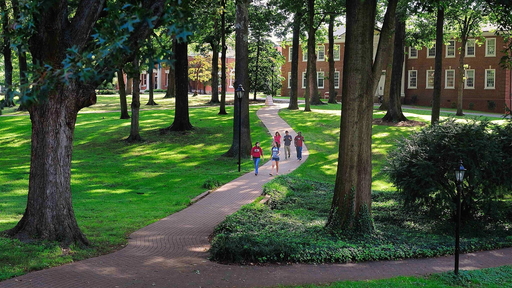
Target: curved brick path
{"x": 173, "y": 251}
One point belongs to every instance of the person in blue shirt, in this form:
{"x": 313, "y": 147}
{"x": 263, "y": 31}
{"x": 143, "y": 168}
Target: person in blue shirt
{"x": 275, "y": 158}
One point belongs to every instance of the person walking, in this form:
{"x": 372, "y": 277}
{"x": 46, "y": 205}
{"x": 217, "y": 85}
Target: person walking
{"x": 275, "y": 158}
{"x": 256, "y": 154}
{"x": 287, "y": 139}
{"x": 277, "y": 139}
{"x": 298, "y": 141}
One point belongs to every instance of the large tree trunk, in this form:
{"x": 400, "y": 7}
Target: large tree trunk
{"x": 436, "y": 95}
{"x": 7, "y": 52}
{"x": 241, "y": 117}
{"x": 314, "y": 97}
{"x": 171, "y": 76}
{"x": 461, "y": 72}
{"x": 351, "y": 206}
{"x": 294, "y": 87}
{"x": 134, "y": 127}
{"x": 215, "y": 73}
{"x": 122, "y": 95}
{"x": 332, "y": 92}
{"x": 151, "y": 84}
{"x": 49, "y": 213}
{"x": 222, "y": 109}
{"x": 394, "y": 113}
{"x": 181, "y": 113}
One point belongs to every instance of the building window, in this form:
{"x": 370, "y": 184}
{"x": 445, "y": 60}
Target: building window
{"x": 413, "y": 79}
{"x": 289, "y": 79}
{"x": 320, "y": 53}
{"x": 336, "y": 79}
{"x": 450, "y": 49}
{"x": 320, "y": 79}
{"x": 490, "y": 76}
{"x": 413, "y": 53}
{"x": 336, "y": 53}
{"x": 304, "y": 55}
{"x": 144, "y": 80}
{"x": 290, "y": 53}
{"x": 470, "y": 48}
{"x": 167, "y": 78}
{"x": 469, "y": 82}
{"x": 449, "y": 79}
{"x": 430, "y": 79}
{"x": 304, "y": 80}
{"x": 431, "y": 52}
{"x": 490, "y": 47}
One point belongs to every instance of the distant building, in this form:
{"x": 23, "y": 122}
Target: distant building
{"x": 487, "y": 86}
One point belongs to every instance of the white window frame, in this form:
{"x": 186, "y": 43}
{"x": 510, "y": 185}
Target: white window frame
{"x": 320, "y": 53}
{"x": 337, "y": 75}
{"x": 304, "y": 80}
{"x": 446, "y": 78}
{"x": 487, "y": 84}
{"x": 410, "y": 77}
{"x": 289, "y": 79}
{"x": 304, "y": 55}
{"x": 320, "y": 79}
{"x": 429, "y": 75}
{"x": 290, "y": 52}
{"x": 471, "y": 44}
{"x": 467, "y": 76}
{"x": 488, "y": 46}
{"x": 337, "y": 52}
{"x": 413, "y": 53}
{"x": 450, "y": 49}
{"x": 431, "y": 52}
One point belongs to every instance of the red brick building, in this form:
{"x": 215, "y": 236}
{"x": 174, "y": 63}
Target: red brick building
{"x": 487, "y": 86}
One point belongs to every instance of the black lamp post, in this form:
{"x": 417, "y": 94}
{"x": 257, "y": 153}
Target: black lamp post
{"x": 239, "y": 93}
{"x": 459, "y": 177}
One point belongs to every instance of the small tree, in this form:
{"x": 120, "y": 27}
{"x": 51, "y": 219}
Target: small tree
{"x": 422, "y": 166}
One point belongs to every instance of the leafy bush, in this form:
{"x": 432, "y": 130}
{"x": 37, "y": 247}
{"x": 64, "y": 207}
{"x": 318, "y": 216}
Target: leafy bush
{"x": 211, "y": 183}
{"x": 291, "y": 229}
{"x": 422, "y": 168}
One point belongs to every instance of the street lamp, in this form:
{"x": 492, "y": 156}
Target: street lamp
{"x": 239, "y": 93}
{"x": 459, "y": 177}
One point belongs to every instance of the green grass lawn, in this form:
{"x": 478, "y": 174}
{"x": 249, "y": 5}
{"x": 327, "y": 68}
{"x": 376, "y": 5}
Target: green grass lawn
{"x": 120, "y": 187}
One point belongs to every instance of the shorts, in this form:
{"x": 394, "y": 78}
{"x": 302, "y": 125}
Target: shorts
{"x": 275, "y": 158}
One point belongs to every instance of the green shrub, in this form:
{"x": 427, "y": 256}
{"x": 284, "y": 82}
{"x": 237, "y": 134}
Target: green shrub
{"x": 422, "y": 168}
{"x": 106, "y": 92}
{"x": 211, "y": 183}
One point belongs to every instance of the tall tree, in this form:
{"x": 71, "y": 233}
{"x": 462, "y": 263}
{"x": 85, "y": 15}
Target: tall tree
{"x": 438, "y": 68}
{"x": 134, "y": 127}
{"x": 122, "y": 95}
{"x": 7, "y": 52}
{"x": 241, "y": 117}
{"x": 394, "y": 113}
{"x": 311, "y": 73}
{"x": 351, "y": 206}
{"x": 465, "y": 17}
{"x": 294, "y": 91}
{"x": 69, "y": 40}
{"x": 181, "y": 111}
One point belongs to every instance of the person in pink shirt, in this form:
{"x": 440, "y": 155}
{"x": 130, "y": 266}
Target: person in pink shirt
{"x": 277, "y": 139}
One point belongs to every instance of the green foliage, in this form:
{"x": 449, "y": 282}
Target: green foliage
{"x": 211, "y": 183}
{"x": 422, "y": 168}
{"x": 291, "y": 228}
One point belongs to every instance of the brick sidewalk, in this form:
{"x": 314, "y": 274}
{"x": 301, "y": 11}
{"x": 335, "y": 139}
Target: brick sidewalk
{"x": 173, "y": 251}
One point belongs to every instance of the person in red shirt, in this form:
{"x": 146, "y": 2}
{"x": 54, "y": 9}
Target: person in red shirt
{"x": 256, "y": 154}
{"x": 298, "y": 141}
